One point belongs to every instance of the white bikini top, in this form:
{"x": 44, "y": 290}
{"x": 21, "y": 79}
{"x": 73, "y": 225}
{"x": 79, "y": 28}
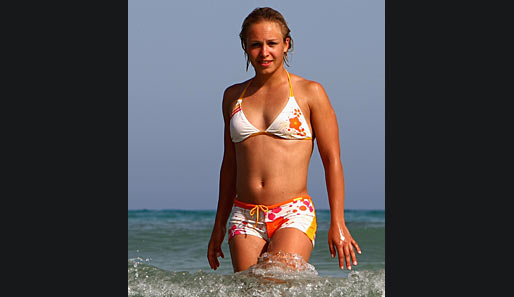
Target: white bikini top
{"x": 289, "y": 124}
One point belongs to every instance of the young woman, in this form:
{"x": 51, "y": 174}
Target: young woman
{"x": 271, "y": 121}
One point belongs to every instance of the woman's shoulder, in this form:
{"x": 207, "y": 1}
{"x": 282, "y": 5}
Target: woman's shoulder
{"x": 305, "y": 84}
{"x": 233, "y": 92}
{"x": 236, "y": 88}
{"x": 310, "y": 89}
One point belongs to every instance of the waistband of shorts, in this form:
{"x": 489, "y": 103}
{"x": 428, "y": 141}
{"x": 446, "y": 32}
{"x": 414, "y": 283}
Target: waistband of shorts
{"x": 250, "y": 206}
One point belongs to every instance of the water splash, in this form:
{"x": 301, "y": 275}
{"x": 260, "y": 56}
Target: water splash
{"x": 281, "y": 266}
{"x": 145, "y": 280}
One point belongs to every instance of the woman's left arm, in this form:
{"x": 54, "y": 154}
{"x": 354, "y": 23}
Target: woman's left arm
{"x": 324, "y": 124}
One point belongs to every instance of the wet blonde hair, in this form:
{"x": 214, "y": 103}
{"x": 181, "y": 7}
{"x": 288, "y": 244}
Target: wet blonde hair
{"x": 265, "y": 14}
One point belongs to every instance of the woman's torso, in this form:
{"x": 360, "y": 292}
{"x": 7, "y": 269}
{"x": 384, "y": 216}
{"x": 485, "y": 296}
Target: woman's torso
{"x": 271, "y": 169}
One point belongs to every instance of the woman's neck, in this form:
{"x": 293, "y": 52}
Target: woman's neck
{"x": 277, "y": 76}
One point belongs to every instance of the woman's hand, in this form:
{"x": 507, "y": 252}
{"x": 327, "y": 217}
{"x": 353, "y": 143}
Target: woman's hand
{"x": 340, "y": 240}
{"x": 214, "y": 249}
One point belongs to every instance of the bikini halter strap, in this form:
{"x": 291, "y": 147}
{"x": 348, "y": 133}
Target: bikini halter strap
{"x": 290, "y": 85}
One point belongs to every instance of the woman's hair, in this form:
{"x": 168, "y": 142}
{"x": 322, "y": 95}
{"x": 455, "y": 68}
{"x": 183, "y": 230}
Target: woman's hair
{"x": 265, "y": 14}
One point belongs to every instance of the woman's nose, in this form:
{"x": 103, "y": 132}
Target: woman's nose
{"x": 264, "y": 51}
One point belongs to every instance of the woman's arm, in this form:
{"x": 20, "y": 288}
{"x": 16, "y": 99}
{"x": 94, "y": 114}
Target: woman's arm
{"x": 227, "y": 187}
{"x": 324, "y": 123}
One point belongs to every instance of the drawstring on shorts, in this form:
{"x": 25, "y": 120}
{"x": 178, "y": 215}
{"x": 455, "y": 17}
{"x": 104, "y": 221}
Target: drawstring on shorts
{"x": 255, "y": 209}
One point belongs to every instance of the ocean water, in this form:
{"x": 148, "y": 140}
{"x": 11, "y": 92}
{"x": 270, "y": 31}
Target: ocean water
{"x": 167, "y": 256}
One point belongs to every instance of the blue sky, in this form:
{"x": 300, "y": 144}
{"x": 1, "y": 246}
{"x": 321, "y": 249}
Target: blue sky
{"x": 183, "y": 54}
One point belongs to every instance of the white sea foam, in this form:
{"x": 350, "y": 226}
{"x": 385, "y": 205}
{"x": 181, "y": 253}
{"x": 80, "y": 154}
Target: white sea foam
{"x": 281, "y": 265}
{"x": 149, "y": 281}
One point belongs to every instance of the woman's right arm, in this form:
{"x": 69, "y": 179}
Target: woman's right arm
{"x": 227, "y": 186}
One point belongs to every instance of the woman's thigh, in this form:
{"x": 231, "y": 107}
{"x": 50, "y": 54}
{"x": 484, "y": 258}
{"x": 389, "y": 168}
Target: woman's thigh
{"x": 245, "y": 250}
{"x": 291, "y": 240}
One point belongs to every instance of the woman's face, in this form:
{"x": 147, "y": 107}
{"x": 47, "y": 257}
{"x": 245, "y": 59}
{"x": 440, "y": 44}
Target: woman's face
{"x": 265, "y": 46}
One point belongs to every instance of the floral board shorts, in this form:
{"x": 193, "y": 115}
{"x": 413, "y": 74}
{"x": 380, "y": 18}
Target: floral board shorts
{"x": 263, "y": 220}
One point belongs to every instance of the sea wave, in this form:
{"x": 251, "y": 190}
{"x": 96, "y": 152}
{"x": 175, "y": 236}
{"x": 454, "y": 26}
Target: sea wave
{"x": 145, "y": 280}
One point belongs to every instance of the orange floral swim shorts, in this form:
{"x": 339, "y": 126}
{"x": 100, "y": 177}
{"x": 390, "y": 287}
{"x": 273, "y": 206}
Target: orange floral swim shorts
{"x": 263, "y": 220}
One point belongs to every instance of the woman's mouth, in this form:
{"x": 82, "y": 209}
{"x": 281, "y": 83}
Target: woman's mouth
{"x": 265, "y": 63}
